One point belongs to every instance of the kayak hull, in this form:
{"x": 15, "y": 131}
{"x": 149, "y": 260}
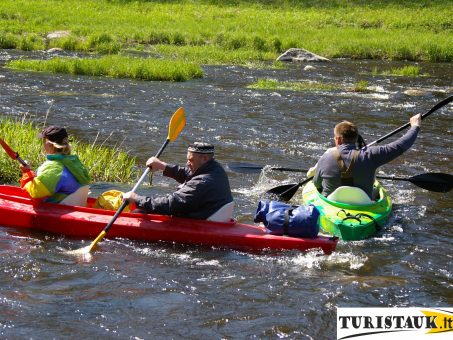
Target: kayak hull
{"x": 17, "y": 210}
{"x": 346, "y": 221}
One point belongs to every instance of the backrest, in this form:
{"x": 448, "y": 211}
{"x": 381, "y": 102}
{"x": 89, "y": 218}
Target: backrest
{"x": 79, "y": 197}
{"x": 350, "y": 195}
{"x": 224, "y": 214}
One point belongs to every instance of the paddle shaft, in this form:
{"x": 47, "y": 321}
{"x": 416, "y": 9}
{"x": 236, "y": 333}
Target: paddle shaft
{"x": 426, "y": 114}
{"x": 292, "y": 190}
{"x": 13, "y": 154}
{"x": 250, "y": 167}
{"x": 177, "y": 123}
{"x": 437, "y": 182}
{"x": 141, "y": 179}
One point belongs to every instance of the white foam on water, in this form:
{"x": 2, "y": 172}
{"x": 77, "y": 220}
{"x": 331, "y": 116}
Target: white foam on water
{"x": 403, "y": 196}
{"x": 213, "y": 263}
{"x": 317, "y": 260}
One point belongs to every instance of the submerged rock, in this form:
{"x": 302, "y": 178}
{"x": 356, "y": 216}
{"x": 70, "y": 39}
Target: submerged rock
{"x": 58, "y": 34}
{"x": 55, "y": 50}
{"x": 415, "y": 92}
{"x": 299, "y": 54}
{"x": 309, "y": 67}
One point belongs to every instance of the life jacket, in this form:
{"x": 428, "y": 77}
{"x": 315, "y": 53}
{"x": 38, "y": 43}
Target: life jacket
{"x": 286, "y": 219}
{"x": 346, "y": 173}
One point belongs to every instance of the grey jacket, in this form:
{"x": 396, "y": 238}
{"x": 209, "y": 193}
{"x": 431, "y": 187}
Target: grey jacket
{"x": 327, "y": 176}
{"x": 200, "y": 195}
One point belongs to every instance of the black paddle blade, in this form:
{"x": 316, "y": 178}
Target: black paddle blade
{"x": 438, "y": 182}
{"x": 284, "y": 192}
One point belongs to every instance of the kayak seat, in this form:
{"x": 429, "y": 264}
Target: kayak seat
{"x": 78, "y": 197}
{"x": 350, "y": 195}
{"x": 224, "y": 214}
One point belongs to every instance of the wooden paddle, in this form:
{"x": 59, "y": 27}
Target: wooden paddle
{"x": 435, "y": 181}
{"x": 177, "y": 123}
{"x": 285, "y": 193}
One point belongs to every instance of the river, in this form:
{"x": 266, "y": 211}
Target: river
{"x": 138, "y": 290}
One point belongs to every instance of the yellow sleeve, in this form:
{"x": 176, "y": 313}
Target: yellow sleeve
{"x": 36, "y": 189}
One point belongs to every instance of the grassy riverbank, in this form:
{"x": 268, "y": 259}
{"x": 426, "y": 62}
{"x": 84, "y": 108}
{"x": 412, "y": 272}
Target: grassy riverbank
{"x": 235, "y": 32}
{"x": 21, "y": 136}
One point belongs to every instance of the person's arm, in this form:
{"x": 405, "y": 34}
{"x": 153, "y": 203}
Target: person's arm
{"x": 178, "y": 203}
{"x": 27, "y": 175}
{"x": 316, "y": 171}
{"x": 317, "y": 178}
{"x": 176, "y": 172}
{"x": 41, "y": 185}
{"x": 386, "y": 153}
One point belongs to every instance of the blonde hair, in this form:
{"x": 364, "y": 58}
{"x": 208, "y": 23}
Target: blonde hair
{"x": 63, "y": 148}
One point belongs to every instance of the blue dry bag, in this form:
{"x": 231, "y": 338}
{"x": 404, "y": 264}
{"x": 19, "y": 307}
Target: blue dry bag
{"x": 286, "y": 219}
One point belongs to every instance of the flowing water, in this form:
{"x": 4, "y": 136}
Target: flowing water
{"x": 140, "y": 290}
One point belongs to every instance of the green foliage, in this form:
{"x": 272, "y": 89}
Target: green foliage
{"x": 102, "y": 43}
{"x": 7, "y": 41}
{"x": 235, "y": 30}
{"x": 98, "y": 159}
{"x": 18, "y": 135}
{"x": 115, "y": 66}
{"x": 21, "y": 136}
{"x": 361, "y": 86}
{"x": 273, "y": 84}
{"x": 405, "y": 71}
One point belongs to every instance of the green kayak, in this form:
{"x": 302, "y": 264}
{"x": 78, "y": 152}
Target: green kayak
{"x": 356, "y": 220}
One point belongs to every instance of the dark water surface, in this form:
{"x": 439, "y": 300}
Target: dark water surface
{"x": 142, "y": 290}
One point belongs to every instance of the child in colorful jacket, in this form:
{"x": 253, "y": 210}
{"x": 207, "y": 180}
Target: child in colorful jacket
{"x": 61, "y": 174}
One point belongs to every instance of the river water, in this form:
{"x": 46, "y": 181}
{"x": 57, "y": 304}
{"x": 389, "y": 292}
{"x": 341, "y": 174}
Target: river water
{"x": 143, "y": 290}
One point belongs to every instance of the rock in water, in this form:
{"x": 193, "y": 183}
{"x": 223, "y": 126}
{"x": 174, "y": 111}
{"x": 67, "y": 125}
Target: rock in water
{"x": 299, "y": 54}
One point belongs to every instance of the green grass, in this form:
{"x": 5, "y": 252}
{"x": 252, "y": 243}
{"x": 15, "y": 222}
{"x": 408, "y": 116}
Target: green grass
{"x": 361, "y": 86}
{"x": 235, "y": 31}
{"x": 273, "y": 84}
{"x": 114, "y": 66}
{"x": 22, "y": 137}
{"x": 405, "y": 71}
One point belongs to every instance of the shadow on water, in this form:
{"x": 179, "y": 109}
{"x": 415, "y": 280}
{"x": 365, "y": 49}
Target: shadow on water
{"x": 134, "y": 289}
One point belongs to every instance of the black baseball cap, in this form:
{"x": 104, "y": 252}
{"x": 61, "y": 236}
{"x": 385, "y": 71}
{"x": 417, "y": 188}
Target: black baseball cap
{"x": 54, "y": 133}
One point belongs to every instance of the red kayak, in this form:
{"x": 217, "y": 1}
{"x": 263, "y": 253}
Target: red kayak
{"x": 18, "y": 210}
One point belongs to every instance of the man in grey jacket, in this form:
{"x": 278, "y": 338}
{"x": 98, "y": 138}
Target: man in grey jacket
{"x": 204, "y": 190}
{"x": 345, "y": 165}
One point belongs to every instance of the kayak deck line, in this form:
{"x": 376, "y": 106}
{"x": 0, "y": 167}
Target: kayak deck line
{"x": 17, "y": 210}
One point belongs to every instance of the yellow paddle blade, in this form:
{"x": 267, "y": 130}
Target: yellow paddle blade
{"x": 88, "y": 249}
{"x": 177, "y": 123}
